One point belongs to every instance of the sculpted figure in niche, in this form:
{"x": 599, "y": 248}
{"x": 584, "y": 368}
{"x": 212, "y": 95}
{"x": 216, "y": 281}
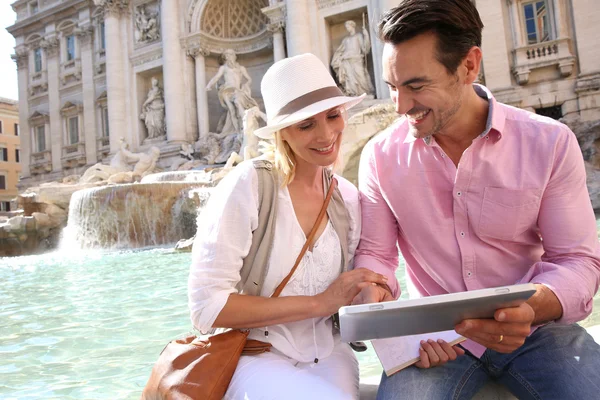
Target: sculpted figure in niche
{"x": 146, "y": 26}
{"x": 153, "y": 112}
{"x": 349, "y": 64}
{"x": 234, "y": 93}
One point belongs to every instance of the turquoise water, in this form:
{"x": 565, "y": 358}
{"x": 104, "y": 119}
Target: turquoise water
{"x": 89, "y": 325}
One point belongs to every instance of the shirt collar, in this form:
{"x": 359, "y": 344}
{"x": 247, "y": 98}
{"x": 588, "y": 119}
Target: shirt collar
{"x": 495, "y": 120}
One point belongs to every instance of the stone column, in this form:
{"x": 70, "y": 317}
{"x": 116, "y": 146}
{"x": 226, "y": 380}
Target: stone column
{"x": 51, "y": 46}
{"x": 276, "y": 15}
{"x": 298, "y": 27}
{"x": 201, "y": 95}
{"x": 22, "y": 59}
{"x": 85, "y": 36}
{"x": 515, "y": 23}
{"x": 191, "y": 105}
{"x": 278, "y": 45}
{"x": 496, "y": 62}
{"x": 115, "y": 70}
{"x": 173, "y": 71}
{"x": 586, "y": 17}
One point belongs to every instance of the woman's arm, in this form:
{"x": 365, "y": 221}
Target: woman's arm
{"x": 254, "y": 311}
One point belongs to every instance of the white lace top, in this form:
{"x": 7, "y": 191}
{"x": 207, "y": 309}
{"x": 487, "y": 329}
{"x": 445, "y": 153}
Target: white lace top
{"x": 224, "y": 236}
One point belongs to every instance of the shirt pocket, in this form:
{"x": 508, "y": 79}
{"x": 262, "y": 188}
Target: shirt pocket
{"x": 507, "y": 213}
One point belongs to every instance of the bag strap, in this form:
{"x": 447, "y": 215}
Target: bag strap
{"x": 309, "y": 239}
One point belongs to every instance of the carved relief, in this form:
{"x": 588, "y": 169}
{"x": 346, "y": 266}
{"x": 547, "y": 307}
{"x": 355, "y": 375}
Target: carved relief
{"x": 113, "y": 7}
{"x": 21, "y": 57}
{"x": 147, "y": 23}
{"x": 50, "y": 45}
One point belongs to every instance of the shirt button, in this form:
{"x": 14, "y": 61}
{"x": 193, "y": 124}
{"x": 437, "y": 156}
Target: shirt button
{"x": 462, "y": 234}
{"x": 469, "y": 273}
{"x": 487, "y": 137}
{"x": 459, "y": 194}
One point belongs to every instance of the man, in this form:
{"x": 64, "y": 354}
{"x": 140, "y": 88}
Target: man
{"x": 478, "y": 194}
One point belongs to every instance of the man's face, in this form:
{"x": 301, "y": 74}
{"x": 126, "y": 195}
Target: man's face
{"x": 350, "y": 28}
{"x": 420, "y": 86}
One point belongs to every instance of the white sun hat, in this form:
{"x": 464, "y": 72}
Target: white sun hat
{"x": 297, "y": 88}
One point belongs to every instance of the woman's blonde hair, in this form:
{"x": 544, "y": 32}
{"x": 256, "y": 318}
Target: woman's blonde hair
{"x": 281, "y": 155}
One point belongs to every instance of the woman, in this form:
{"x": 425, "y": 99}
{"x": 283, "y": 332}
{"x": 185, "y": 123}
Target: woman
{"x": 306, "y": 117}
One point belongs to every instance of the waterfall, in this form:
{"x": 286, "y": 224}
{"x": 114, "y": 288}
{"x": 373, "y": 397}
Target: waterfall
{"x": 132, "y": 215}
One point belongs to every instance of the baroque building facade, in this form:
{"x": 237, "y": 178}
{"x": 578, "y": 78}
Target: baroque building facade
{"x": 89, "y": 71}
{"x": 10, "y": 153}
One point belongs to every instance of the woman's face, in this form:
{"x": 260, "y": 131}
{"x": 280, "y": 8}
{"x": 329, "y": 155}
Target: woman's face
{"x": 316, "y": 140}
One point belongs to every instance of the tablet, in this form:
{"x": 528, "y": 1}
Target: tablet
{"x": 427, "y": 314}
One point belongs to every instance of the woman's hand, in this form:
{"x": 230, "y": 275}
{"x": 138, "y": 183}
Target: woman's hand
{"x": 434, "y": 354}
{"x": 343, "y": 290}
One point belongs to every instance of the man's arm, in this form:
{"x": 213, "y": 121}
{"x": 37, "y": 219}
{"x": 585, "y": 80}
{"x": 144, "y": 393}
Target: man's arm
{"x": 568, "y": 275}
{"x": 215, "y": 78}
{"x": 377, "y": 248}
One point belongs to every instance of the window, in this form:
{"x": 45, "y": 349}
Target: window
{"x": 37, "y": 59}
{"x": 16, "y": 129}
{"x": 1, "y": 126}
{"x": 3, "y": 154}
{"x": 554, "y": 112}
{"x": 33, "y": 7}
{"x": 537, "y": 21}
{"x": 105, "y": 131}
{"x": 102, "y": 36}
{"x": 2, "y": 182}
{"x": 73, "y": 124}
{"x": 40, "y": 138}
{"x": 5, "y": 206}
{"x": 17, "y": 155}
{"x": 70, "y": 47}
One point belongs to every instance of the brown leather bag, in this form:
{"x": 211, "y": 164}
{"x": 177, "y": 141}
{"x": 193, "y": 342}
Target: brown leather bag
{"x": 201, "y": 369}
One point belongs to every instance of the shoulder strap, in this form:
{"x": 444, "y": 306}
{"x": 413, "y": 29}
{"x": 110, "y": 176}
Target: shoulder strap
{"x": 340, "y": 220}
{"x": 255, "y": 266}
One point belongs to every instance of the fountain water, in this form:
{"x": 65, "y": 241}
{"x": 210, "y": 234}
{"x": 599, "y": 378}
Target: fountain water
{"x": 137, "y": 215}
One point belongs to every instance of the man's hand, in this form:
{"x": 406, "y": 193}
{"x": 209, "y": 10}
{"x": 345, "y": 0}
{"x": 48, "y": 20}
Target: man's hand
{"x": 505, "y": 333}
{"x": 373, "y": 294}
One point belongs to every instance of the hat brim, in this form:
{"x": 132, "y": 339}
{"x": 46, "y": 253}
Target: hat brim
{"x": 268, "y": 131}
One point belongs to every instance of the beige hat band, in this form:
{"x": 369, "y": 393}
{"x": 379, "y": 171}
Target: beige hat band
{"x": 306, "y": 100}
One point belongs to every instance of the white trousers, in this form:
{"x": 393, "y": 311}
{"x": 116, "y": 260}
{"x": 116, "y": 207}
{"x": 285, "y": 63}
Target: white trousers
{"x": 273, "y": 376}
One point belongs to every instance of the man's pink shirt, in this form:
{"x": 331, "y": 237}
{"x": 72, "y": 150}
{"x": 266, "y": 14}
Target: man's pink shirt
{"x": 515, "y": 210}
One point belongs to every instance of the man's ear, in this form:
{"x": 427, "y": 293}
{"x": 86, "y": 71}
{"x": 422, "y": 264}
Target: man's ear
{"x": 472, "y": 64}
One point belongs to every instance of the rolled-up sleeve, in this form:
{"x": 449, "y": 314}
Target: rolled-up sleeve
{"x": 222, "y": 241}
{"x": 570, "y": 265}
{"x": 377, "y": 249}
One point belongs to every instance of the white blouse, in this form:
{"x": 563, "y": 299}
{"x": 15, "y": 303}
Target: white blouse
{"x": 223, "y": 239}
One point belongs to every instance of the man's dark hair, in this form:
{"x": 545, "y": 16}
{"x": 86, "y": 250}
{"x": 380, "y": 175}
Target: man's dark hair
{"x": 456, "y": 23}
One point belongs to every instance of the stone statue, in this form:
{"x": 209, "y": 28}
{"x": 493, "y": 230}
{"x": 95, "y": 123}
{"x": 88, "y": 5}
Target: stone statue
{"x": 153, "y": 112}
{"x": 101, "y": 172}
{"x": 234, "y": 93}
{"x": 250, "y": 142}
{"x": 145, "y": 163}
{"x": 146, "y": 26}
{"x": 208, "y": 148}
{"x": 186, "y": 153}
{"x": 119, "y": 170}
{"x": 349, "y": 64}
{"x": 249, "y": 146}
